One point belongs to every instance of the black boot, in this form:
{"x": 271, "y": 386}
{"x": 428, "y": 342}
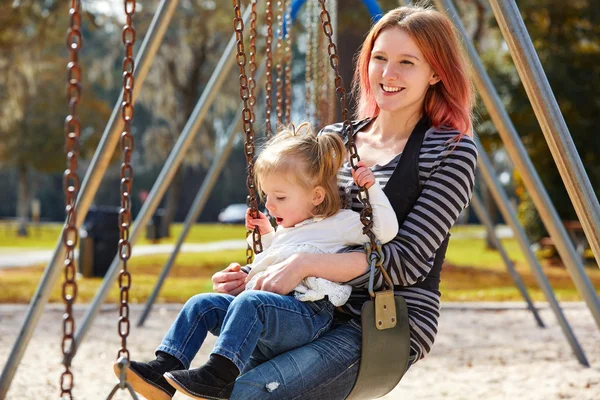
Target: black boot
{"x": 147, "y": 378}
{"x": 214, "y": 380}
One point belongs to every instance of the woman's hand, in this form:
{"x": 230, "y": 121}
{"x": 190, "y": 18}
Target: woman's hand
{"x": 230, "y": 281}
{"x": 283, "y": 277}
{"x": 263, "y": 223}
{"x": 363, "y": 176}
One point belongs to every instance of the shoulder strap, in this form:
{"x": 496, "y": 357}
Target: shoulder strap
{"x": 404, "y": 186}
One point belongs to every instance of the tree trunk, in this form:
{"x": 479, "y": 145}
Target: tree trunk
{"x": 492, "y": 211}
{"x": 23, "y": 194}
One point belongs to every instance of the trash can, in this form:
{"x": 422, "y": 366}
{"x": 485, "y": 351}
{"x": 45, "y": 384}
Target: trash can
{"x": 99, "y": 241}
{"x": 157, "y": 227}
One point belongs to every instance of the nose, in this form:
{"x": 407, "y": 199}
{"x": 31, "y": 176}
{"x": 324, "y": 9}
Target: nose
{"x": 269, "y": 205}
{"x": 390, "y": 72}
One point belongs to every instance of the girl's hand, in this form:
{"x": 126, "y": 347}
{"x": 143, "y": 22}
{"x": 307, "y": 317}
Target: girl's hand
{"x": 363, "y": 176}
{"x": 263, "y": 223}
{"x": 282, "y": 277}
{"x": 230, "y": 281}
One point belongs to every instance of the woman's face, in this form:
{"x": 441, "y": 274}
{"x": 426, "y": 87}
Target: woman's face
{"x": 399, "y": 75}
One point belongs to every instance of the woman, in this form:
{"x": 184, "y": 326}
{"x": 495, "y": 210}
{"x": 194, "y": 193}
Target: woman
{"x": 411, "y": 82}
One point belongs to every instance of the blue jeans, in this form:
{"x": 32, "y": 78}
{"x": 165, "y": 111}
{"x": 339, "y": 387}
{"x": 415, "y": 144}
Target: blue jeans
{"x": 324, "y": 369}
{"x": 253, "y": 327}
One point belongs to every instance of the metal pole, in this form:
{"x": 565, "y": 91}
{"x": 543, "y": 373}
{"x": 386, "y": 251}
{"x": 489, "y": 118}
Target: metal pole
{"x": 166, "y": 175}
{"x": 510, "y": 216}
{"x": 89, "y": 187}
{"x": 484, "y": 217}
{"x": 532, "y": 181}
{"x": 551, "y": 120}
{"x": 192, "y": 216}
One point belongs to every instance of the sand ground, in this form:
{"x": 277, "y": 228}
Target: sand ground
{"x": 489, "y": 351}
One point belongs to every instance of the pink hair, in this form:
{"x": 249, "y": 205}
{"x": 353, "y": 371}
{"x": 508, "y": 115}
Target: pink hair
{"x": 447, "y": 103}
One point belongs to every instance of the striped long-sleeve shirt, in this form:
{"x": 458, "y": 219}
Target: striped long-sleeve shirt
{"x": 446, "y": 173}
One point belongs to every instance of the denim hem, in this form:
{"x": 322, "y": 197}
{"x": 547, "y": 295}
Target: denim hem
{"x": 175, "y": 353}
{"x": 233, "y": 357}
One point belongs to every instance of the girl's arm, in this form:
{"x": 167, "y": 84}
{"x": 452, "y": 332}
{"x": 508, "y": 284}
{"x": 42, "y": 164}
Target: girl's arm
{"x": 445, "y": 193}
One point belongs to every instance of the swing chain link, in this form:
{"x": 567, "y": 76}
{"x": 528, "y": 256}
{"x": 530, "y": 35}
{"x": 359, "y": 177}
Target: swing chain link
{"x": 269, "y": 66}
{"x": 125, "y": 217}
{"x": 71, "y": 184}
{"x": 251, "y": 201}
{"x": 252, "y": 63}
{"x": 366, "y": 214}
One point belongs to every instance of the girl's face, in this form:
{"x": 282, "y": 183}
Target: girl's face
{"x": 399, "y": 75}
{"x": 289, "y": 202}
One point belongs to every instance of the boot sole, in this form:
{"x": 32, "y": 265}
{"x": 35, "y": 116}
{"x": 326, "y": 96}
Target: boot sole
{"x": 183, "y": 390}
{"x": 140, "y": 385}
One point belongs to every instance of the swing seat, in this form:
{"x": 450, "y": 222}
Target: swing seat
{"x": 385, "y": 352}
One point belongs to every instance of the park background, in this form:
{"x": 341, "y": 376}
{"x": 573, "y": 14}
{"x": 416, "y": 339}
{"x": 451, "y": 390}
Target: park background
{"x": 33, "y": 58}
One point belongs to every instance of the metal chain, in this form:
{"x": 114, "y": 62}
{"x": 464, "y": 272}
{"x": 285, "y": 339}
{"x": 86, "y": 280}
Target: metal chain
{"x": 374, "y": 251}
{"x": 251, "y": 201}
{"x": 71, "y": 183}
{"x": 125, "y": 218}
{"x": 269, "y": 66}
{"x": 308, "y": 66}
{"x": 252, "y": 63}
{"x": 288, "y": 63}
{"x": 278, "y": 66}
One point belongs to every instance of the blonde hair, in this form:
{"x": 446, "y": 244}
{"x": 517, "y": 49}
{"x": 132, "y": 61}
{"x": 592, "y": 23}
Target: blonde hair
{"x": 312, "y": 160}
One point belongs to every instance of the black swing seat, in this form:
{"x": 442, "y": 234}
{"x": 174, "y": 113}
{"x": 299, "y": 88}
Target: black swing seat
{"x": 385, "y": 352}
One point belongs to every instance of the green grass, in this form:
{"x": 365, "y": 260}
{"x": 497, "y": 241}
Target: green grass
{"x": 471, "y": 272}
{"x": 45, "y": 236}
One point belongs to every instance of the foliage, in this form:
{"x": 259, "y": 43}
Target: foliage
{"x": 566, "y": 36}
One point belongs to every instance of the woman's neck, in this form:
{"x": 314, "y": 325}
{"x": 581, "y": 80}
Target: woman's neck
{"x": 396, "y": 125}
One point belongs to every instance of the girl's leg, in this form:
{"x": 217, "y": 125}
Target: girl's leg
{"x": 258, "y": 324}
{"x": 201, "y": 314}
{"x": 273, "y": 322}
{"x": 324, "y": 369}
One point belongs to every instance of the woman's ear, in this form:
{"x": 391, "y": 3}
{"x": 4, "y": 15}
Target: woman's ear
{"x": 434, "y": 79}
{"x": 318, "y": 195}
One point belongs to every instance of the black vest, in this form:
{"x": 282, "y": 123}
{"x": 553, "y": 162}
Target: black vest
{"x": 404, "y": 188}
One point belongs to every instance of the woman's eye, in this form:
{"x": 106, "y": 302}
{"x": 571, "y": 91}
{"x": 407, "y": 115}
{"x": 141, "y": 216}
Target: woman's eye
{"x": 406, "y": 62}
{"x": 379, "y": 58}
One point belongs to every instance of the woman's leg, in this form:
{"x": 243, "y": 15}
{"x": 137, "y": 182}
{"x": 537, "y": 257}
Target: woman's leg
{"x": 324, "y": 369}
{"x": 201, "y": 314}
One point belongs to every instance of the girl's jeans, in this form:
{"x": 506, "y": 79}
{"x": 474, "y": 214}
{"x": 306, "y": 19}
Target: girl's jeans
{"x": 253, "y": 327}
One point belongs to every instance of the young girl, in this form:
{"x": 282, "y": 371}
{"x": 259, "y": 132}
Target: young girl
{"x": 297, "y": 174}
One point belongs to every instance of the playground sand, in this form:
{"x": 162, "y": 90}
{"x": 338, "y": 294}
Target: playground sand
{"x": 483, "y": 352}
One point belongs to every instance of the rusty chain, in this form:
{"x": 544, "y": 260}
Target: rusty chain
{"x": 288, "y": 63}
{"x": 252, "y": 62}
{"x": 71, "y": 183}
{"x": 251, "y": 201}
{"x": 125, "y": 217}
{"x": 269, "y": 66}
{"x": 366, "y": 215}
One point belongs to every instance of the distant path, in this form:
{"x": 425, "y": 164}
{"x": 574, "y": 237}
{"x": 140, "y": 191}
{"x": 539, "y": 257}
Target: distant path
{"x": 22, "y": 257}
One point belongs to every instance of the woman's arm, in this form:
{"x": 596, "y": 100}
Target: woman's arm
{"x": 283, "y": 277}
{"x": 445, "y": 193}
